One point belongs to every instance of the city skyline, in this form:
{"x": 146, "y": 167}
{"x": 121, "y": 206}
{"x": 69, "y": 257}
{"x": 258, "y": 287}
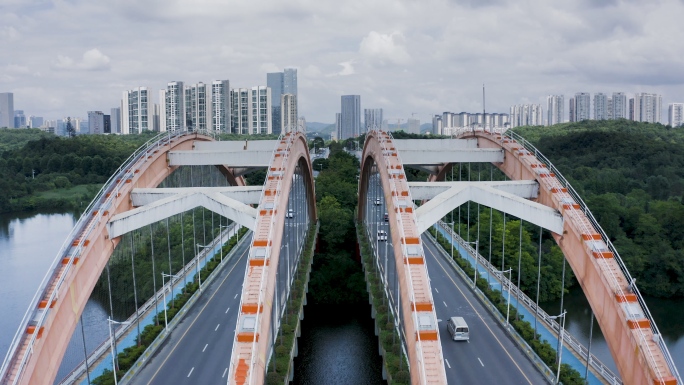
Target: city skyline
{"x": 417, "y": 58}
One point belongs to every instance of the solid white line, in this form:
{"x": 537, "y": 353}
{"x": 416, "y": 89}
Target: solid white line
{"x": 235, "y": 296}
{"x": 217, "y": 326}
{"x": 224, "y": 373}
{"x": 447, "y": 362}
{"x": 445, "y": 304}
{"x": 193, "y": 368}
{"x": 227, "y": 310}
{"x": 436, "y": 290}
{"x": 478, "y": 358}
{"x": 205, "y": 348}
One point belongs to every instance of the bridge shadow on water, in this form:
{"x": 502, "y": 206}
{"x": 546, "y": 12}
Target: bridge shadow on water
{"x": 338, "y": 346}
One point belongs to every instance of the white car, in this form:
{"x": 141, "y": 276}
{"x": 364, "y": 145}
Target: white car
{"x": 382, "y": 235}
{"x": 377, "y": 202}
{"x": 289, "y": 214}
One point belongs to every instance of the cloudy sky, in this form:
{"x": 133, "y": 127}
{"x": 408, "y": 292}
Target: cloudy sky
{"x": 67, "y": 57}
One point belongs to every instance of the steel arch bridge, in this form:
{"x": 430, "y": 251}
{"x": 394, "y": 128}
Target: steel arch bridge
{"x": 632, "y": 336}
{"x": 41, "y": 340}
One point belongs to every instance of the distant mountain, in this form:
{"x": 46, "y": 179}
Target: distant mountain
{"x": 316, "y": 127}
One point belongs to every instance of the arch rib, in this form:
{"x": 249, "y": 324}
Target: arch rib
{"x": 253, "y": 333}
{"x": 633, "y": 338}
{"x": 423, "y": 345}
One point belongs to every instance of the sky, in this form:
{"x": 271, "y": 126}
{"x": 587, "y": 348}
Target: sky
{"x": 410, "y": 57}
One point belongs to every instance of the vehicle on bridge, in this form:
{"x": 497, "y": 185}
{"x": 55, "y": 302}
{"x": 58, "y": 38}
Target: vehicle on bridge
{"x": 458, "y": 329}
{"x": 382, "y": 235}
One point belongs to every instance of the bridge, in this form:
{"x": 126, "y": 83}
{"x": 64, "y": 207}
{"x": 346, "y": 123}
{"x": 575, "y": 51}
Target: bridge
{"x": 164, "y": 188}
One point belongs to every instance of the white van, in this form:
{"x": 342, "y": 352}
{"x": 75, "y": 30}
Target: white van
{"x": 458, "y": 329}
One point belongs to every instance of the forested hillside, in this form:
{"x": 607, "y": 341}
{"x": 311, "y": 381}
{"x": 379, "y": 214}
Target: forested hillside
{"x": 631, "y": 175}
{"x": 49, "y": 162}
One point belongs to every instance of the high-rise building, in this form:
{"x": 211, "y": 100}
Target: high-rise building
{"x": 571, "y": 110}
{"x": 301, "y": 124}
{"x": 156, "y": 118}
{"x": 115, "y": 114}
{"x": 280, "y": 83}
{"x": 522, "y": 115}
{"x": 107, "y": 124}
{"x": 351, "y": 116}
{"x": 632, "y": 112}
{"x": 35, "y": 121}
{"x": 372, "y": 118}
{"x": 601, "y": 106}
{"x": 96, "y": 123}
{"x": 174, "y": 110}
{"x": 675, "y": 114}
{"x": 647, "y": 107}
{"x": 136, "y": 111}
{"x": 197, "y": 107}
{"x": 7, "y": 109}
{"x": 220, "y": 106}
{"x": 413, "y": 125}
{"x": 251, "y": 110}
{"x": 582, "y": 107}
{"x": 19, "y": 119}
{"x": 288, "y": 112}
{"x": 554, "y": 109}
{"x": 437, "y": 125}
{"x": 619, "y": 106}
{"x": 338, "y": 126}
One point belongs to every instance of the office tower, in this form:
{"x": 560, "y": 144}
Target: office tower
{"x": 220, "y": 106}
{"x": 7, "y": 110}
{"x": 19, "y": 119}
{"x": 115, "y": 114}
{"x": 251, "y": 110}
{"x": 107, "y": 124}
{"x": 675, "y": 114}
{"x": 619, "y": 106}
{"x": 338, "y": 125}
{"x": 601, "y": 106}
{"x": 288, "y": 112}
{"x": 96, "y": 123}
{"x": 197, "y": 107}
{"x": 136, "y": 111}
{"x": 647, "y": 107}
{"x": 350, "y": 125}
{"x": 174, "y": 102}
{"x": 372, "y": 119}
{"x": 280, "y": 83}
{"x": 522, "y": 115}
{"x": 437, "y": 125}
{"x": 35, "y": 121}
{"x": 554, "y": 109}
{"x": 582, "y": 106}
{"x": 413, "y": 126}
{"x": 571, "y": 110}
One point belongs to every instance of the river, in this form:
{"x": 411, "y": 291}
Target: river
{"x": 29, "y": 243}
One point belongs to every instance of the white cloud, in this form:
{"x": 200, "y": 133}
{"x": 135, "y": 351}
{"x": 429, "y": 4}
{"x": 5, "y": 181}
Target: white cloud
{"x": 93, "y": 60}
{"x": 347, "y": 68}
{"x": 384, "y": 48}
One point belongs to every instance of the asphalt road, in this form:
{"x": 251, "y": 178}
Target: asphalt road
{"x": 490, "y": 356}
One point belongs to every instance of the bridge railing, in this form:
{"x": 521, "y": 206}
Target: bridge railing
{"x": 597, "y": 227}
{"x": 72, "y": 248}
{"x": 568, "y": 339}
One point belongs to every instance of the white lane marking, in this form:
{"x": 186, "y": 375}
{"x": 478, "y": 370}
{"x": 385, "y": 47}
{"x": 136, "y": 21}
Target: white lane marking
{"x": 217, "y": 326}
{"x": 235, "y": 296}
{"x": 445, "y": 304}
{"x": 436, "y": 290}
{"x": 447, "y": 362}
{"x": 227, "y": 310}
{"x": 189, "y": 374}
{"x": 224, "y": 373}
{"x": 205, "y": 348}
{"x": 478, "y": 358}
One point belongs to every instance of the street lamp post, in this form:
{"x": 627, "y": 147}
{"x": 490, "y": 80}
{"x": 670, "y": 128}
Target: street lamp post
{"x": 221, "y": 227}
{"x": 476, "y": 242}
{"x": 199, "y": 271}
{"x": 508, "y": 307}
{"x": 111, "y": 344}
{"x": 560, "y": 340}
{"x": 451, "y": 236}
{"x": 170, "y": 276}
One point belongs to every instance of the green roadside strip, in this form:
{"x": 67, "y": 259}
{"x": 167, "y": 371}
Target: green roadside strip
{"x": 281, "y": 371}
{"x": 394, "y": 366}
{"x": 543, "y": 350}
{"x": 152, "y": 335}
